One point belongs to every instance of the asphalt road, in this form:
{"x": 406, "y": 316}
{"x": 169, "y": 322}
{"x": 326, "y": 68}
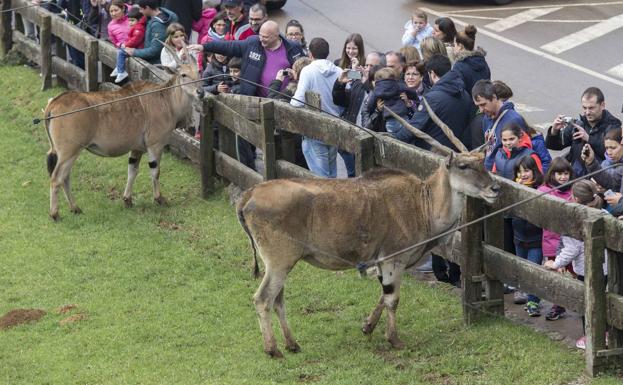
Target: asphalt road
{"x": 547, "y": 51}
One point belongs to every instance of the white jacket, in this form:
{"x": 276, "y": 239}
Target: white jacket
{"x": 409, "y": 40}
{"x": 319, "y": 77}
{"x": 572, "y": 251}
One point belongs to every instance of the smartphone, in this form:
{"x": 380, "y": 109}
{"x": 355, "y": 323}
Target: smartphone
{"x": 353, "y": 75}
{"x": 608, "y": 193}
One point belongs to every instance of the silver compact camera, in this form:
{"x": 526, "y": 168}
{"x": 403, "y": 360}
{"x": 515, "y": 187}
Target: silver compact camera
{"x": 567, "y": 119}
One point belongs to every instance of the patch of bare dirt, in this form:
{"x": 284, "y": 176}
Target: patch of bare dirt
{"x": 169, "y": 225}
{"x": 65, "y": 308}
{"x": 20, "y": 316}
{"x": 305, "y": 378}
{"x": 73, "y": 319}
{"x": 113, "y": 194}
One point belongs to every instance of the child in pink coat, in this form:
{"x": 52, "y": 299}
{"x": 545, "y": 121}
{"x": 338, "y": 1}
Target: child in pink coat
{"x": 135, "y": 39}
{"x": 202, "y": 26}
{"x": 559, "y": 172}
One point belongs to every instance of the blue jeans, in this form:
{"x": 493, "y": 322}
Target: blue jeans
{"x": 121, "y": 55}
{"x": 534, "y": 255}
{"x": 349, "y": 162}
{"x": 320, "y": 157}
{"x": 398, "y": 131}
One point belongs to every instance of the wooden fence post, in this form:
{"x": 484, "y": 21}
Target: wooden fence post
{"x": 364, "y": 158}
{"x": 6, "y": 32}
{"x": 494, "y": 290}
{"x": 595, "y": 295}
{"x": 267, "y": 116}
{"x": 471, "y": 263}
{"x": 90, "y": 65}
{"x": 206, "y": 149}
{"x": 45, "y": 43}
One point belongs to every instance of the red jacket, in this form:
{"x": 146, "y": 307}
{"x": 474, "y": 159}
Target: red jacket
{"x": 136, "y": 36}
{"x": 239, "y": 30}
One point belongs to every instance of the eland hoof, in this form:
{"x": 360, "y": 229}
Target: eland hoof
{"x": 127, "y": 202}
{"x": 275, "y": 353}
{"x": 396, "y": 343}
{"x": 367, "y": 328}
{"x": 55, "y": 217}
{"x": 76, "y": 210}
{"x": 294, "y": 348}
{"x": 161, "y": 201}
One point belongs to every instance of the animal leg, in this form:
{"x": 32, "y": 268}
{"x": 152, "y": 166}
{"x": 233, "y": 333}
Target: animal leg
{"x": 390, "y": 281}
{"x": 280, "y": 309}
{"x": 373, "y": 318}
{"x": 264, "y": 299}
{"x": 154, "y": 168}
{"x": 60, "y": 177}
{"x": 133, "y": 163}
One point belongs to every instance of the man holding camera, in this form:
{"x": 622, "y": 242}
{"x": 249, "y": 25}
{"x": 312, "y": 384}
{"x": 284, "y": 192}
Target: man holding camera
{"x": 594, "y": 122}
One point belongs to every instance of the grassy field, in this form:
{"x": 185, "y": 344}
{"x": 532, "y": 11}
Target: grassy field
{"x": 165, "y": 292}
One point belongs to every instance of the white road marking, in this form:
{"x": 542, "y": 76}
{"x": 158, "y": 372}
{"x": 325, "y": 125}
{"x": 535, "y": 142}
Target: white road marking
{"x": 566, "y": 21}
{"x": 449, "y": 13}
{"x": 520, "y": 18}
{"x": 616, "y": 71}
{"x": 531, "y": 50}
{"x": 520, "y": 107}
{"x": 584, "y": 35}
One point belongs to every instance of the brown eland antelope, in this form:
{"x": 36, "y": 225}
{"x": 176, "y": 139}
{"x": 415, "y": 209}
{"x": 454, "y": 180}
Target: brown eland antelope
{"x": 137, "y": 125}
{"x": 335, "y": 224}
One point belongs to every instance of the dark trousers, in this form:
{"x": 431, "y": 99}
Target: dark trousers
{"x": 245, "y": 152}
{"x": 446, "y": 271}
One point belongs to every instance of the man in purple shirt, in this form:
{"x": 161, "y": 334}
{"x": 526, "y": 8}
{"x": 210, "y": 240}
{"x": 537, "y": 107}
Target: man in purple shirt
{"x": 262, "y": 55}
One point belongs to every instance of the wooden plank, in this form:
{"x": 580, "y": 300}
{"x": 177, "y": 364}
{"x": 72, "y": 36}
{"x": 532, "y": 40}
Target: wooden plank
{"x": 532, "y": 278}
{"x": 390, "y": 152}
{"x": 73, "y": 75}
{"x": 286, "y": 169}
{"x": 184, "y": 145}
{"x": 108, "y": 86}
{"x": 71, "y": 34}
{"x": 614, "y": 229}
{"x": 471, "y": 263}
{"x": 268, "y": 140}
{"x": 247, "y": 106}
{"x": 6, "y": 32}
{"x": 27, "y": 47}
{"x": 250, "y": 131}
{"x": 615, "y": 314}
{"x": 45, "y": 44}
{"x": 107, "y": 53}
{"x": 306, "y": 122}
{"x": 595, "y": 294}
{"x": 236, "y": 172}
{"x": 206, "y": 160}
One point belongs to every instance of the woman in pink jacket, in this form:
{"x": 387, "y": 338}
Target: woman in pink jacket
{"x": 202, "y": 26}
{"x": 119, "y": 26}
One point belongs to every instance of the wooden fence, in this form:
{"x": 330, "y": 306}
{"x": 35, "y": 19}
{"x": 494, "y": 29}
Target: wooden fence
{"x": 270, "y": 124}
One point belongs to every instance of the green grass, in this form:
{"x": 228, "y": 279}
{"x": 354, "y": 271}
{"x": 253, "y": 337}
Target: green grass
{"x": 167, "y": 290}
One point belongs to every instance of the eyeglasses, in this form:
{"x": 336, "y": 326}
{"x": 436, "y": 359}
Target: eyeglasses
{"x": 294, "y": 34}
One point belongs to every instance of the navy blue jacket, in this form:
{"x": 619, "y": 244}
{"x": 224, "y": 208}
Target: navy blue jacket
{"x": 253, "y": 58}
{"x": 472, "y": 66}
{"x": 453, "y": 106}
{"x": 389, "y": 90}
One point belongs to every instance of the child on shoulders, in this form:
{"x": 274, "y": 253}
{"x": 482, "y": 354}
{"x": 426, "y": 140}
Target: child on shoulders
{"x": 416, "y": 30}
{"x": 388, "y": 89}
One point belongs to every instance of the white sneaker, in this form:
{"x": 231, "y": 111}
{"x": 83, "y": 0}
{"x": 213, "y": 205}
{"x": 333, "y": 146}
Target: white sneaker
{"x": 121, "y": 77}
{"x": 114, "y": 73}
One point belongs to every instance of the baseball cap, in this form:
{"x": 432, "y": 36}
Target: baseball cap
{"x": 232, "y": 3}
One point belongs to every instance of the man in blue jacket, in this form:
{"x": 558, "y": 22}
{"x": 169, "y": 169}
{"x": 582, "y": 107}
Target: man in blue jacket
{"x": 158, "y": 19}
{"x": 262, "y": 57}
{"x": 450, "y": 102}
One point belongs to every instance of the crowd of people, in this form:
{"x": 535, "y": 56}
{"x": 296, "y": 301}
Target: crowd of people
{"x": 433, "y": 63}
